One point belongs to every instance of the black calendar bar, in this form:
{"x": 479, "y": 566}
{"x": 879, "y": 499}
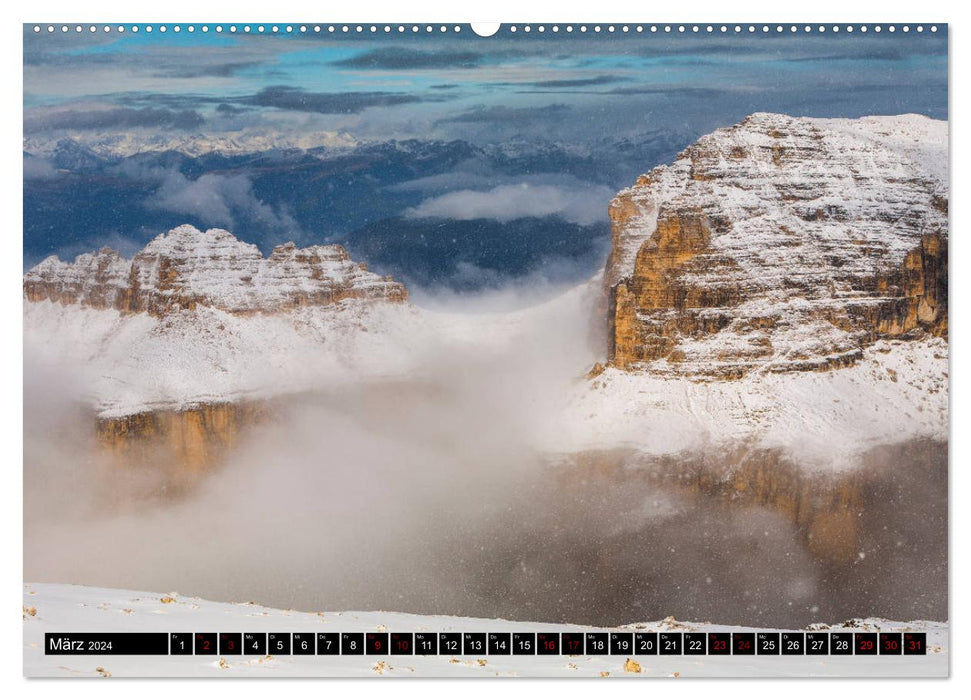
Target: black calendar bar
{"x": 484, "y": 644}
{"x": 112, "y": 643}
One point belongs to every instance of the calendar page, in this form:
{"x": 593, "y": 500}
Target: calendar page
{"x": 421, "y": 350}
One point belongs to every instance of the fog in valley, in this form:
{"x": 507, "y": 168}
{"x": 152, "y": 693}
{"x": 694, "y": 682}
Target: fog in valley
{"x": 429, "y": 494}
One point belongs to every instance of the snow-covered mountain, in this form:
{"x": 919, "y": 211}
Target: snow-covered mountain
{"x": 124, "y": 144}
{"x": 186, "y": 268}
{"x": 781, "y": 244}
{"x": 781, "y": 284}
{"x": 118, "y": 145}
{"x": 201, "y": 317}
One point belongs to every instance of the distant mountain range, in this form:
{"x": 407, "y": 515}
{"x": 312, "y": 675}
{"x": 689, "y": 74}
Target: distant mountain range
{"x": 123, "y": 145}
{"x": 82, "y": 193}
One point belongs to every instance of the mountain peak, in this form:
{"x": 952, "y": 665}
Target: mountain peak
{"x": 781, "y": 243}
{"x": 185, "y": 267}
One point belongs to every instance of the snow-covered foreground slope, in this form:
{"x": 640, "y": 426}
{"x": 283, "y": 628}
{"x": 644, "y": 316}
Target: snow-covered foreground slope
{"x": 66, "y": 608}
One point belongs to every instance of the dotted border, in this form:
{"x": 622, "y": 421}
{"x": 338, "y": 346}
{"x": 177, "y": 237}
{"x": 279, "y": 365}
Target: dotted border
{"x": 722, "y": 29}
{"x": 594, "y": 29}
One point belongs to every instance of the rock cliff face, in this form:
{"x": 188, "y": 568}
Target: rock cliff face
{"x": 186, "y": 268}
{"x": 781, "y": 244}
{"x": 183, "y": 443}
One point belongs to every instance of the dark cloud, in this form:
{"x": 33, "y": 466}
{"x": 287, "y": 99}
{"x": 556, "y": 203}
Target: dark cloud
{"x": 173, "y": 101}
{"x": 670, "y": 90}
{"x": 884, "y": 53}
{"x": 502, "y": 114}
{"x": 286, "y": 97}
{"x": 171, "y": 65}
{"x": 406, "y": 59}
{"x": 674, "y": 91}
{"x": 114, "y": 118}
{"x": 228, "y": 110}
{"x": 793, "y": 48}
{"x": 298, "y": 100}
{"x": 54, "y": 47}
{"x": 571, "y": 82}
{"x": 212, "y": 70}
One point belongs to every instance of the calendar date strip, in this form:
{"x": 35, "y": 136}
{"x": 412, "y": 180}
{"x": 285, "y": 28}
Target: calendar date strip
{"x": 772, "y": 643}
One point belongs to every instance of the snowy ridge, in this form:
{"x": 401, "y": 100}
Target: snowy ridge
{"x": 67, "y": 608}
{"x": 185, "y": 268}
{"x": 919, "y": 140}
{"x": 247, "y": 141}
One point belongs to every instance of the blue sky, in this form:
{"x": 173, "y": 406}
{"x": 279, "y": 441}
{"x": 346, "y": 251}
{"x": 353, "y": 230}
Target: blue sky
{"x": 383, "y": 86}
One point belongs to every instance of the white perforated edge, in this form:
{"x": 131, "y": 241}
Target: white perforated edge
{"x": 594, "y": 29}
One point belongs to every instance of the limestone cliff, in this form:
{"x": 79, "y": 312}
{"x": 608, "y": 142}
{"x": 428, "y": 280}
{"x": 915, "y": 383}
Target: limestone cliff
{"x": 781, "y": 244}
{"x": 186, "y": 268}
{"x": 181, "y": 443}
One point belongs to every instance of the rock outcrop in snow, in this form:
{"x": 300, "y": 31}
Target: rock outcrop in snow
{"x": 186, "y": 268}
{"x": 781, "y": 244}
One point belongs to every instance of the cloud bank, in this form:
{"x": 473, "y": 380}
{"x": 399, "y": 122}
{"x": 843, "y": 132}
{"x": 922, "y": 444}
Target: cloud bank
{"x": 579, "y": 205}
{"x": 218, "y": 199}
{"x": 214, "y": 199}
{"x": 112, "y": 118}
{"x": 403, "y": 59}
{"x": 295, "y": 99}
